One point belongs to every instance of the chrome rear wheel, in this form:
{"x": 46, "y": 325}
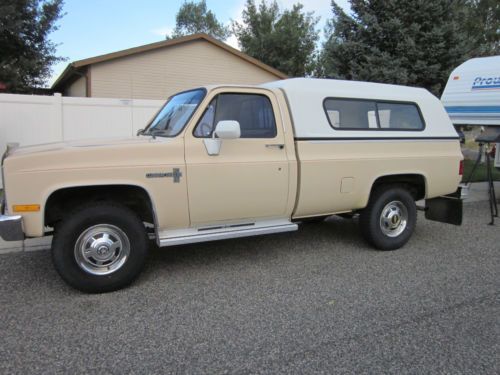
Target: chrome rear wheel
{"x": 393, "y": 218}
{"x": 389, "y": 219}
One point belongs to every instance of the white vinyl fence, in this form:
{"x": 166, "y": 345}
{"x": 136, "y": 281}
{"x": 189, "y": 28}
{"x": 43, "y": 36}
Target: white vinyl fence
{"x": 34, "y": 119}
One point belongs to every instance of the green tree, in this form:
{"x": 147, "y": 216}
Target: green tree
{"x": 409, "y": 42}
{"x": 193, "y": 17}
{"x": 285, "y": 40}
{"x": 26, "y": 53}
{"x": 483, "y": 27}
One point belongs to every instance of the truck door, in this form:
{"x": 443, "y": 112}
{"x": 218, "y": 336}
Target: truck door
{"x": 249, "y": 176}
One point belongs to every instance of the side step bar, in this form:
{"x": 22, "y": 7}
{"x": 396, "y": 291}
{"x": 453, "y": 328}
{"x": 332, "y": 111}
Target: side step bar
{"x": 195, "y": 235}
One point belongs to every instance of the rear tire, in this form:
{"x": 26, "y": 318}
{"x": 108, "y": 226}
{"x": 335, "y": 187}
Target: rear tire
{"x": 389, "y": 220}
{"x": 100, "y": 248}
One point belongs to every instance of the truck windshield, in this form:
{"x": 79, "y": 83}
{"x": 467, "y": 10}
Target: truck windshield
{"x": 175, "y": 114}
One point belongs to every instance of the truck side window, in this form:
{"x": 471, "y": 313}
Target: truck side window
{"x": 253, "y": 112}
{"x": 359, "y": 114}
{"x": 206, "y": 124}
{"x": 350, "y": 114}
{"x": 399, "y": 116}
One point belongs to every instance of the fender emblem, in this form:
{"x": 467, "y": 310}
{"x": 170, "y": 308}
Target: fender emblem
{"x": 176, "y": 174}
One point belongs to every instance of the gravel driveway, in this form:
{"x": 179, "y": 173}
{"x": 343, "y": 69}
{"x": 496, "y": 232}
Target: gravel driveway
{"x": 315, "y": 301}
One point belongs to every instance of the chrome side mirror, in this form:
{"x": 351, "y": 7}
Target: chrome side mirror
{"x": 226, "y": 129}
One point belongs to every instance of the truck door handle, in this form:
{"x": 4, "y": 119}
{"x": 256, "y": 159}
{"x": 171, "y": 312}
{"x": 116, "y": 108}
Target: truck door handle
{"x": 277, "y": 145}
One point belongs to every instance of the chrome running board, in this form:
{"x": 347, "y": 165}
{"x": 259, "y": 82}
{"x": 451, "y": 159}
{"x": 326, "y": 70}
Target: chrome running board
{"x": 224, "y": 231}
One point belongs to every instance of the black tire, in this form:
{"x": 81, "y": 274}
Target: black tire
{"x": 80, "y": 222}
{"x": 382, "y": 199}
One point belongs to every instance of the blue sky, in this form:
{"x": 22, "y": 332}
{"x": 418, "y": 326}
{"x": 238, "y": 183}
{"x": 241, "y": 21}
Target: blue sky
{"x": 96, "y": 27}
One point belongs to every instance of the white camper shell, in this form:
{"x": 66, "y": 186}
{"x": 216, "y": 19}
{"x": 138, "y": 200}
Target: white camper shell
{"x": 307, "y": 100}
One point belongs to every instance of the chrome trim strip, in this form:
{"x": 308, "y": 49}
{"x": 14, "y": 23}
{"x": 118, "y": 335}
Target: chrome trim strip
{"x": 373, "y": 139}
{"x": 225, "y": 226}
{"x": 222, "y": 235}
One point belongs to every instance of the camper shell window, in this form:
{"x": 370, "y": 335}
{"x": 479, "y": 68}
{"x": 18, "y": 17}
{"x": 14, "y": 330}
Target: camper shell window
{"x": 365, "y": 114}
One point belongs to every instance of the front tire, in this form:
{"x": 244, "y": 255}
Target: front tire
{"x": 100, "y": 248}
{"x": 389, "y": 220}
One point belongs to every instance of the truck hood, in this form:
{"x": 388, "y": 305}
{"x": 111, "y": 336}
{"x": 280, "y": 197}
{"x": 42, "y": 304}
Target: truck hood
{"x": 90, "y": 143}
{"x": 99, "y": 153}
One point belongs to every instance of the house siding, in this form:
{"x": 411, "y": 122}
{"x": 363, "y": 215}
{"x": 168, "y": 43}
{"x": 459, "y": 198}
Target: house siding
{"x": 78, "y": 88}
{"x": 160, "y": 73}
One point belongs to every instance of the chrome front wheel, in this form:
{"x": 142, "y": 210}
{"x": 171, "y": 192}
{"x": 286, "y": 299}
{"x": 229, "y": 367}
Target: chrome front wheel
{"x": 102, "y": 249}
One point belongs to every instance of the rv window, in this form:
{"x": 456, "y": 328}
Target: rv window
{"x": 399, "y": 116}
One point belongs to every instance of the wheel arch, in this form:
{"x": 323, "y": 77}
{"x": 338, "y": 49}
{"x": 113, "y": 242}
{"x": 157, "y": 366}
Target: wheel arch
{"x": 136, "y": 197}
{"x": 416, "y": 181}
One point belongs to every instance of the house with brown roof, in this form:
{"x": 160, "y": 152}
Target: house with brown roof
{"x": 157, "y": 70}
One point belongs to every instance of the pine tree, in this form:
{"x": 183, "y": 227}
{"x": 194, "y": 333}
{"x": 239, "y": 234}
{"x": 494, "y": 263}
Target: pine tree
{"x": 483, "y": 27}
{"x": 26, "y": 53}
{"x": 285, "y": 40}
{"x": 194, "y": 17}
{"x": 408, "y": 42}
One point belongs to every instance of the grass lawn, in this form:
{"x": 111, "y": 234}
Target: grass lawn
{"x": 480, "y": 173}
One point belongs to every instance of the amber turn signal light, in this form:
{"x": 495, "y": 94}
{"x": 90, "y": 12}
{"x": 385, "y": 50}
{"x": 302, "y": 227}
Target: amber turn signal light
{"x": 26, "y": 208}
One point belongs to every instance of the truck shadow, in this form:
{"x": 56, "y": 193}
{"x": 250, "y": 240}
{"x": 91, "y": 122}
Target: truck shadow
{"x": 334, "y": 236}
{"x": 327, "y": 240}
{"x": 314, "y": 245}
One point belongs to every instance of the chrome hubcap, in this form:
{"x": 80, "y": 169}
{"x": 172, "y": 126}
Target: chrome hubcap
{"x": 102, "y": 249}
{"x": 393, "y": 219}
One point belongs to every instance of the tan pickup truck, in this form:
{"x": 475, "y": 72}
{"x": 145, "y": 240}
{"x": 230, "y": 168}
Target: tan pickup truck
{"x": 229, "y": 161}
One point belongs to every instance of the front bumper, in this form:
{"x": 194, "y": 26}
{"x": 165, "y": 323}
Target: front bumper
{"x": 11, "y": 228}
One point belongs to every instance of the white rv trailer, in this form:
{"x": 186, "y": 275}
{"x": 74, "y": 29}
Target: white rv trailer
{"x": 472, "y": 94}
